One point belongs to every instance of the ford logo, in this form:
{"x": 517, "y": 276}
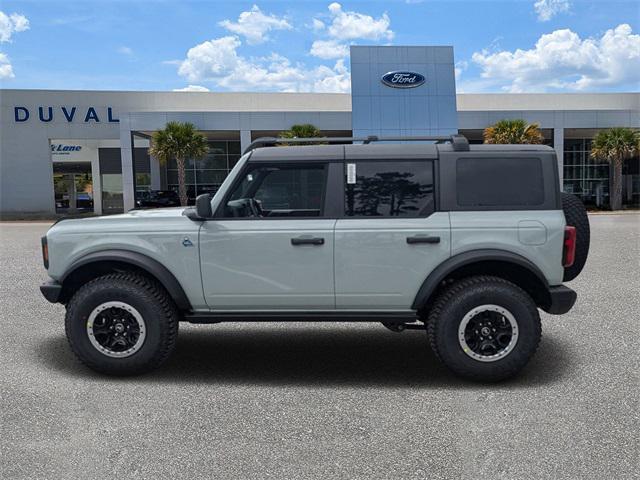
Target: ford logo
{"x": 402, "y": 79}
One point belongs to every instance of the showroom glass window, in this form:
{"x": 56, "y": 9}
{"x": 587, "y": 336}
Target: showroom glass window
{"x": 398, "y": 188}
{"x": 207, "y": 174}
{"x": 583, "y": 176}
{"x": 588, "y": 178}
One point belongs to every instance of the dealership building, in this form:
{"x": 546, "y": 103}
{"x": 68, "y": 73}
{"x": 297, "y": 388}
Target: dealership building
{"x": 67, "y": 152}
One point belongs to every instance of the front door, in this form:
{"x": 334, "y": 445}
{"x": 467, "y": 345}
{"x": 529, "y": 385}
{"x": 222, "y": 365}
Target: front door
{"x": 271, "y": 247}
{"x": 73, "y": 187}
{"x": 391, "y": 237}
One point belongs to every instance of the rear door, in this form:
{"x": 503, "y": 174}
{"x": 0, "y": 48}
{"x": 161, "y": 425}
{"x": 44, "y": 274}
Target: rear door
{"x": 391, "y": 236}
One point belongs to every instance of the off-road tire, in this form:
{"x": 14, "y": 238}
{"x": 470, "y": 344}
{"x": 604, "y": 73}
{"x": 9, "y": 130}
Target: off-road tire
{"x": 462, "y": 297}
{"x": 145, "y": 295}
{"x": 576, "y": 216}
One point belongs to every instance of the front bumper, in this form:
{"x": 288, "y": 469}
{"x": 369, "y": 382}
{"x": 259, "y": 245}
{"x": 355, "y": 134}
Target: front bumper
{"x": 51, "y": 290}
{"x": 562, "y": 300}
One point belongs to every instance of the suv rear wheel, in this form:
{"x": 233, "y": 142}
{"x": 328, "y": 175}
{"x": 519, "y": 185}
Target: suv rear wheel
{"x": 121, "y": 324}
{"x": 484, "y": 328}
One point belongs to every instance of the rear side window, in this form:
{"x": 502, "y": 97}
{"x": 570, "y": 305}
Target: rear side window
{"x": 499, "y": 182}
{"x": 389, "y": 188}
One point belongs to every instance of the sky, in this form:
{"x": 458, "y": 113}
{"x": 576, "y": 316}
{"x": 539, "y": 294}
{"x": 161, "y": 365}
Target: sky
{"x": 303, "y": 46}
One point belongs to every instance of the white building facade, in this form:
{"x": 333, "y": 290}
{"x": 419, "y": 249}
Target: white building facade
{"x": 86, "y": 151}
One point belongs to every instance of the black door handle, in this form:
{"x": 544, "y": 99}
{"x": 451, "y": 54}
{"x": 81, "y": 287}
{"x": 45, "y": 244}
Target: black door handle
{"x": 422, "y": 239}
{"x": 307, "y": 241}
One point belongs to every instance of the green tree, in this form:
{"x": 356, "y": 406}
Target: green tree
{"x": 512, "y": 132}
{"x": 180, "y": 141}
{"x": 304, "y": 130}
{"x": 615, "y": 146}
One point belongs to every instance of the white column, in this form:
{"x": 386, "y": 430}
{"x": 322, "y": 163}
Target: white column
{"x": 245, "y": 139}
{"x": 126, "y": 155}
{"x": 558, "y": 145}
{"x": 97, "y": 183}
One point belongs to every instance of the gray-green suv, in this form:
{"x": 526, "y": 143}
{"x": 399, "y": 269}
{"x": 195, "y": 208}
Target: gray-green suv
{"x": 467, "y": 242}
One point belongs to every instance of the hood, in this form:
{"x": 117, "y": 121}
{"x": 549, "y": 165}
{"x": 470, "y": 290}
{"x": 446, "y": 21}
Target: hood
{"x": 147, "y": 213}
{"x": 132, "y": 220}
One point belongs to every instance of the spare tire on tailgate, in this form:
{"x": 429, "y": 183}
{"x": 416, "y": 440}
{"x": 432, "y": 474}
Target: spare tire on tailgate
{"x": 576, "y": 216}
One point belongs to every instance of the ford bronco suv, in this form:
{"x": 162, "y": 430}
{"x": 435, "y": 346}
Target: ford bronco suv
{"x": 465, "y": 242}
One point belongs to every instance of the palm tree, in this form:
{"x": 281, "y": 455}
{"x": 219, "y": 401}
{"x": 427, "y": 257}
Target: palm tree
{"x": 180, "y": 141}
{"x": 304, "y": 130}
{"x": 615, "y": 146}
{"x": 513, "y": 131}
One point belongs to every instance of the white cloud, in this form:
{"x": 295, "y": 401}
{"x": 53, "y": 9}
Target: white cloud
{"x": 329, "y": 49}
{"x": 562, "y": 60}
{"x": 317, "y": 25}
{"x": 328, "y": 80}
{"x": 125, "y": 51}
{"x": 352, "y": 25}
{"x": 192, "y": 88}
{"x": 254, "y": 25}
{"x": 211, "y": 59}
{"x": 10, "y": 24}
{"x": 6, "y": 70}
{"x": 547, "y": 9}
{"x": 219, "y": 62}
{"x": 460, "y": 67}
{"x": 347, "y": 26}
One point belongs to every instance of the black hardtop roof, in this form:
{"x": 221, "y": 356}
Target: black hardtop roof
{"x": 488, "y": 147}
{"x": 391, "y": 151}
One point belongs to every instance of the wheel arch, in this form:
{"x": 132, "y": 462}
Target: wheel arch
{"x": 103, "y": 262}
{"x": 508, "y": 265}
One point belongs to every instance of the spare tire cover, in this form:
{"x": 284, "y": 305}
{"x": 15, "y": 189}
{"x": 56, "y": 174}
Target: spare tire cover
{"x": 576, "y": 216}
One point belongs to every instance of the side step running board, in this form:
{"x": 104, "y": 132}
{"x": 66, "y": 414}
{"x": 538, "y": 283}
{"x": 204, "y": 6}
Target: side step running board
{"x": 307, "y": 316}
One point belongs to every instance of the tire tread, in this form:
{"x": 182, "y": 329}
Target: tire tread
{"x": 137, "y": 283}
{"x": 454, "y": 291}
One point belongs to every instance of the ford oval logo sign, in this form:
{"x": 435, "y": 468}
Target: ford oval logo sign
{"x": 403, "y": 79}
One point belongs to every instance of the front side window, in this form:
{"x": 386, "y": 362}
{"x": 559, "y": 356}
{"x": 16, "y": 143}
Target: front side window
{"x": 278, "y": 191}
{"x": 389, "y": 188}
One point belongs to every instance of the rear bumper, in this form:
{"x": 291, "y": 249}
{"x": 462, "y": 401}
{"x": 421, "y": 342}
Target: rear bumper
{"x": 51, "y": 290}
{"x": 562, "y": 300}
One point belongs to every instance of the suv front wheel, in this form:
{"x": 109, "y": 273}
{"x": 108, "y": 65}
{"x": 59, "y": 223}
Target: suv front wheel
{"x": 122, "y": 324}
{"x": 484, "y": 328}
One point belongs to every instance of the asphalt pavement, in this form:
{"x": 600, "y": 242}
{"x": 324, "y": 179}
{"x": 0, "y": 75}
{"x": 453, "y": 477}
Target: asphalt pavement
{"x": 325, "y": 400}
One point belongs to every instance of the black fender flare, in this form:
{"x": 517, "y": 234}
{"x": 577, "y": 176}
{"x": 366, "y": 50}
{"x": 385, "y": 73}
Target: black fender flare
{"x": 152, "y": 267}
{"x": 443, "y": 270}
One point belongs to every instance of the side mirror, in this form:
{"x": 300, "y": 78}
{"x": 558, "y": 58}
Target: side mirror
{"x": 202, "y": 210}
{"x": 203, "y": 206}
